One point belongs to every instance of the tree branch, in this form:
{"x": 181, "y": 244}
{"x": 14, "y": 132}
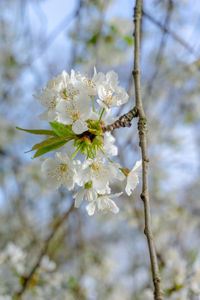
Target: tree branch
{"x": 44, "y": 250}
{"x": 123, "y": 121}
{"x": 170, "y": 32}
{"x": 145, "y": 160}
{"x": 160, "y": 50}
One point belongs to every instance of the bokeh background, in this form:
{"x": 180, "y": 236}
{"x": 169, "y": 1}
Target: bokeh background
{"x": 105, "y": 256}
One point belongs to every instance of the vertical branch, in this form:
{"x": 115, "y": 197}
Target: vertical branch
{"x": 143, "y": 146}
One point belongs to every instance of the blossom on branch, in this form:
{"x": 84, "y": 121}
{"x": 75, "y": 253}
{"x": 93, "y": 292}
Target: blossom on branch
{"x": 79, "y": 108}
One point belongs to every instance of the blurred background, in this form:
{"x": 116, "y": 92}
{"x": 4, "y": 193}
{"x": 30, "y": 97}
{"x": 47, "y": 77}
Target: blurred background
{"x": 105, "y": 256}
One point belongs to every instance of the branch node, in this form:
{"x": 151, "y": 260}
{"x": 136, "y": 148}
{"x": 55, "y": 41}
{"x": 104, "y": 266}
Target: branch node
{"x": 136, "y": 72}
{"x": 142, "y": 196}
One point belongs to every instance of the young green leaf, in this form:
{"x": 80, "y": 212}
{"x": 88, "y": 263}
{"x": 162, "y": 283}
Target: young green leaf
{"x": 61, "y": 129}
{"x": 49, "y": 148}
{"x": 48, "y": 142}
{"x": 39, "y": 131}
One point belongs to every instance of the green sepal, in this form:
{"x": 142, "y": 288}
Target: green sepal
{"x": 61, "y": 129}
{"x": 94, "y": 127}
{"x": 38, "y": 131}
{"x": 88, "y": 185}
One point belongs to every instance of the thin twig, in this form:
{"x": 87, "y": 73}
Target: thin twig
{"x": 170, "y": 32}
{"x": 123, "y": 121}
{"x": 44, "y": 250}
{"x": 160, "y": 50}
{"x": 145, "y": 160}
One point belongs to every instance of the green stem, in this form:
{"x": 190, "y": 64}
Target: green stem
{"x": 75, "y": 152}
{"x": 93, "y": 104}
{"x": 110, "y": 160}
{"x": 101, "y": 115}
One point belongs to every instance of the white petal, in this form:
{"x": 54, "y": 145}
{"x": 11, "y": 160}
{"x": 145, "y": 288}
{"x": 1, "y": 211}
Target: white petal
{"x": 138, "y": 166}
{"x": 113, "y": 207}
{"x": 115, "y": 195}
{"x": 101, "y": 92}
{"x": 132, "y": 182}
{"x": 63, "y": 116}
{"x": 63, "y": 158}
{"x": 105, "y": 203}
{"x": 79, "y": 127}
{"x": 48, "y": 166}
{"x": 112, "y": 78}
{"x": 91, "y": 208}
{"x": 91, "y": 195}
{"x": 79, "y": 197}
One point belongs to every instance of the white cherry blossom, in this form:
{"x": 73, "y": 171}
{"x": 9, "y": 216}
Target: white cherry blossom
{"x": 75, "y": 112}
{"x": 101, "y": 173}
{"x": 61, "y": 171}
{"x": 89, "y": 193}
{"x": 109, "y": 148}
{"x": 102, "y": 203}
{"x": 133, "y": 178}
{"x": 85, "y": 104}
{"x": 110, "y": 94}
{"x": 82, "y": 81}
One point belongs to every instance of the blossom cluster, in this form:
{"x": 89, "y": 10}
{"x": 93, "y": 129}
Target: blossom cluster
{"x": 46, "y": 282}
{"x": 78, "y": 108}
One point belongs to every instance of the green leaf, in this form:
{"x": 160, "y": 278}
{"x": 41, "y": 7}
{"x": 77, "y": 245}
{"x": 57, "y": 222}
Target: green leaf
{"x": 48, "y": 142}
{"x": 39, "y": 131}
{"x": 62, "y": 130}
{"x": 49, "y": 148}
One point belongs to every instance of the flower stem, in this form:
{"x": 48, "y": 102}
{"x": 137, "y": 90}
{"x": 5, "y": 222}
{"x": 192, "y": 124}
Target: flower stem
{"x": 93, "y": 104}
{"x": 101, "y": 115}
{"x": 75, "y": 152}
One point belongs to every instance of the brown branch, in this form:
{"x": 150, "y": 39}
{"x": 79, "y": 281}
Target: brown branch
{"x": 43, "y": 252}
{"x": 145, "y": 160}
{"x": 123, "y": 121}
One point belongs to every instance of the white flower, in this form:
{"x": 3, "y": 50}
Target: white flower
{"x": 109, "y": 148}
{"x": 89, "y": 193}
{"x": 67, "y": 88}
{"x": 47, "y": 264}
{"x": 13, "y": 253}
{"x": 75, "y": 112}
{"x": 82, "y": 81}
{"x": 101, "y": 173}
{"x": 60, "y": 172}
{"x": 49, "y": 100}
{"x": 133, "y": 178}
{"x": 102, "y": 203}
{"x": 14, "y": 256}
{"x": 110, "y": 94}
{"x": 49, "y": 96}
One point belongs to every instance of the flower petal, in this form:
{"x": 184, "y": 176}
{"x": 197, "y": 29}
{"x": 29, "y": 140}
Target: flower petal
{"x": 79, "y": 127}
{"x": 132, "y": 182}
{"x": 79, "y": 197}
{"x": 91, "y": 208}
